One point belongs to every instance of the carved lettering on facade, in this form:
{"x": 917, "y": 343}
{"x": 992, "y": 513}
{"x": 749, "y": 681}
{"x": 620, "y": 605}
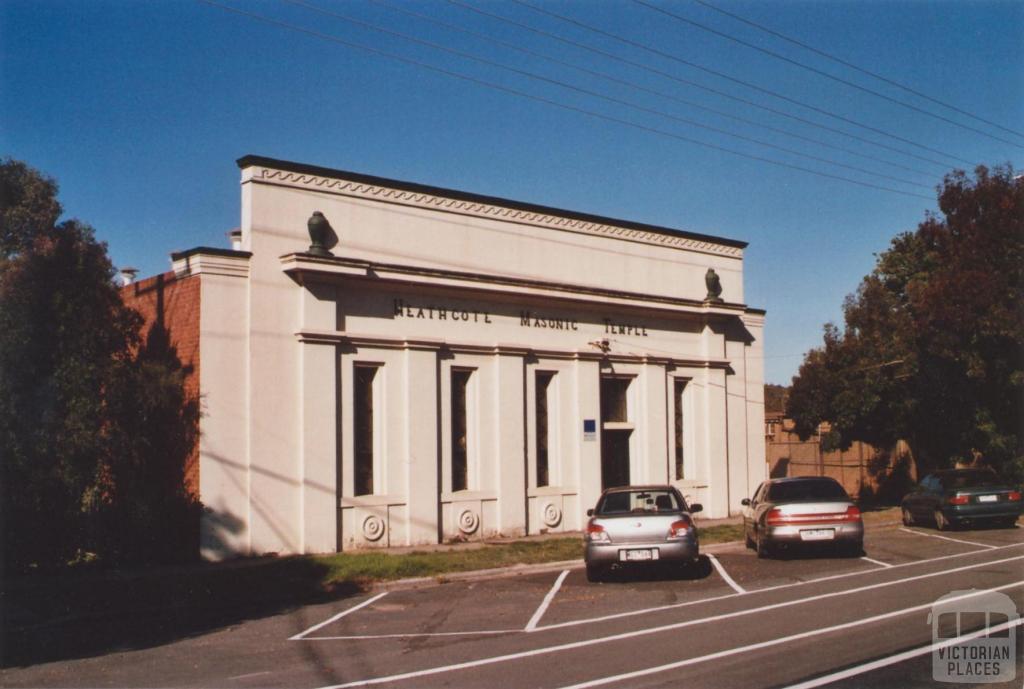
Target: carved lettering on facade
{"x": 404, "y": 309}
{"x": 611, "y": 328}
{"x": 528, "y": 319}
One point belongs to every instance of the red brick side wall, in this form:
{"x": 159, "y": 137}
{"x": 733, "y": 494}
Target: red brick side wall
{"x": 173, "y": 303}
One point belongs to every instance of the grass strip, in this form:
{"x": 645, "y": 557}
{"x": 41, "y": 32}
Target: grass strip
{"x": 382, "y": 566}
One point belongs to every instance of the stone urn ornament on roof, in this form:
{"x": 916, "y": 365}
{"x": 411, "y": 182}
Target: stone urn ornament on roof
{"x": 714, "y": 285}
{"x": 320, "y": 234}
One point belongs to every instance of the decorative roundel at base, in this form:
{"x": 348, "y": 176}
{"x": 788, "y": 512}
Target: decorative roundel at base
{"x": 468, "y": 521}
{"x": 551, "y": 516}
{"x": 373, "y": 528}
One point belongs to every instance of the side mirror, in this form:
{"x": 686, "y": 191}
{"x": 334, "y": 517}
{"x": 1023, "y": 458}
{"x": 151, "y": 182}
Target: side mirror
{"x": 696, "y": 507}
{"x": 590, "y": 512}
{"x": 745, "y": 502}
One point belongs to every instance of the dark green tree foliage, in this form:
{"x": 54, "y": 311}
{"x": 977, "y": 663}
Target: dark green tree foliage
{"x": 77, "y": 394}
{"x": 931, "y": 351}
{"x": 775, "y": 397}
{"x": 157, "y": 429}
{"x": 28, "y": 202}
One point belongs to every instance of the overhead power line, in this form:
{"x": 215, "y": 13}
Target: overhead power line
{"x": 694, "y": 84}
{"x": 722, "y": 75}
{"x": 541, "y": 99}
{"x": 629, "y": 84}
{"x": 857, "y": 68}
{"x": 595, "y": 94}
{"x": 822, "y": 73}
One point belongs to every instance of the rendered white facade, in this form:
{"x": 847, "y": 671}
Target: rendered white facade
{"x": 423, "y": 282}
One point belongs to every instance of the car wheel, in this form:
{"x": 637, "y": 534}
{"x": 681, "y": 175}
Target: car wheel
{"x": 763, "y": 549}
{"x": 749, "y": 539}
{"x": 941, "y": 523}
{"x": 908, "y": 518}
{"x": 1009, "y": 523}
{"x": 595, "y": 572}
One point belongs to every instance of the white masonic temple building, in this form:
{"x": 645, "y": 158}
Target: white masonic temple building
{"x": 383, "y": 363}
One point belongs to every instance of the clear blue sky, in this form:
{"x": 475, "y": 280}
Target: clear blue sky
{"x": 139, "y": 110}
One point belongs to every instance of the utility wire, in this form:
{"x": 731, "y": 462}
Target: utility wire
{"x": 547, "y": 101}
{"x": 708, "y": 89}
{"x": 852, "y": 66}
{"x": 595, "y": 94}
{"x": 722, "y": 75}
{"x": 633, "y": 85}
{"x": 822, "y": 73}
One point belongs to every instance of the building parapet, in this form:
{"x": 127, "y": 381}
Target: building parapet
{"x": 211, "y": 261}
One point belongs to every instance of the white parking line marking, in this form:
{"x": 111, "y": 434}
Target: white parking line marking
{"x": 725, "y": 575}
{"x": 876, "y": 562}
{"x": 900, "y": 657}
{"x": 644, "y": 611}
{"x": 663, "y": 628}
{"x": 947, "y": 538}
{"x": 844, "y": 575}
{"x": 251, "y": 674}
{"x": 341, "y": 614}
{"x": 532, "y": 624}
{"x": 775, "y": 642}
{"x": 411, "y": 635}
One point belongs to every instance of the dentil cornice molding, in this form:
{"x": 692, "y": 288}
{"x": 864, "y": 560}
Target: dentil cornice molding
{"x": 343, "y": 187}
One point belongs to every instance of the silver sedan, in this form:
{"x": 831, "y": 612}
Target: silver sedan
{"x": 640, "y": 524}
{"x": 803, "y": 510}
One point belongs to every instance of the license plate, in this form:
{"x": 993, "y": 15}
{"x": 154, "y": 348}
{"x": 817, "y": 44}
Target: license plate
{"x": 988, "y": 498}
{"x": 635, "y": 555}
{"x": 817, "y": 534}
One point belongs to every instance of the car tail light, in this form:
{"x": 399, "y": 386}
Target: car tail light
{"x": 679, "y": 528}
{"x": 1014, "y": 496}
{"x": 776, "y": 518}
{"x": 597, "y": 534}
{"x": 958, "y": 500}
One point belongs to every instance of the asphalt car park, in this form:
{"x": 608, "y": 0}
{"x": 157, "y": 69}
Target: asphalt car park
{"x": 733, "y": 620}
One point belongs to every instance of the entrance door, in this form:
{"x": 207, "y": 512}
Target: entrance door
{"x": 615, "y": 431}
{"x": 614, "y": 458}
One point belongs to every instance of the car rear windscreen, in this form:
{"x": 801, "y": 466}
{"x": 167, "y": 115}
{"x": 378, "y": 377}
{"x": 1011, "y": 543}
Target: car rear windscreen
{"x": 627, "y": 502}
{"x": 806, "y": 490}
{"x": 970, "y": 479}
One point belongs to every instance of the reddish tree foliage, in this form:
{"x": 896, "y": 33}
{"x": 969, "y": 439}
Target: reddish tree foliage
{"x": 931, "y": 351}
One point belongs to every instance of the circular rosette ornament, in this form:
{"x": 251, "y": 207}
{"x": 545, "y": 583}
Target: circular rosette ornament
{"x": 552, "y": 516}
{"x": 469, "y": 521}
{"x": 373, "y": 528}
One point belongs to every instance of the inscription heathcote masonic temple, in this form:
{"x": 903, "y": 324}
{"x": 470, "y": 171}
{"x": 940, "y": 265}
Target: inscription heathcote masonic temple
{"x": 527, "y": 319}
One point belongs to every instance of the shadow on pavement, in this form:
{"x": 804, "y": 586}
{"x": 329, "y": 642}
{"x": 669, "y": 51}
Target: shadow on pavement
{"x": 78, "y": 615}
{"x": 660, "y": 572}
{"x": 799, "y": 551}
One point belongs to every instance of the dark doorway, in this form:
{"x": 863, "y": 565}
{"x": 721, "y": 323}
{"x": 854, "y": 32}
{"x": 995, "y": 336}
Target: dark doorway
{"x": 614, "y": 458}
{"x": 615, "y": 431}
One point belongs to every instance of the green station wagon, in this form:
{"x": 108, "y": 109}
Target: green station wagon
{"x": 960, "y": 496}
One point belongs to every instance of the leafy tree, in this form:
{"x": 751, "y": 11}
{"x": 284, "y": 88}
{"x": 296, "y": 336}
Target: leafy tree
{"x": 74, "y": 389}
{"x": 931, "y": 348}
{"x": 147, "y": 511}
{"x": 775, "y": 397}
{"x": 28, "y": 202}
